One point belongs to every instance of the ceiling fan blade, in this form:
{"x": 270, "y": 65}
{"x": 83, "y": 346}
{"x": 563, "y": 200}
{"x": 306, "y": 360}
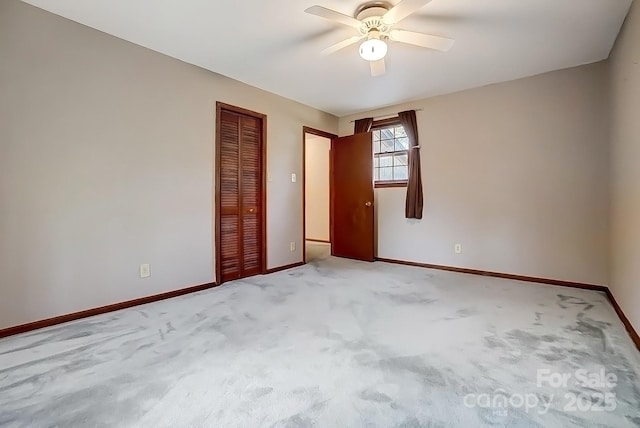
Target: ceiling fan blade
{"x": 420, "y": 39}
{"x": 402, "y": 10}
{"x": 332, "y": 15}
{"x": 378, "y": 68}
{"x": 343, "y": 44}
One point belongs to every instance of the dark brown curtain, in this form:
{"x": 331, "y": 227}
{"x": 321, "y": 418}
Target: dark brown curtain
{"x": 413, "y": 205}
{"x": 363, "y": 125}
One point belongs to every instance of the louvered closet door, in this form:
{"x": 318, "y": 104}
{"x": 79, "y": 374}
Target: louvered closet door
{"x": 251, "y": 195}
{"x": 240, "y": 196}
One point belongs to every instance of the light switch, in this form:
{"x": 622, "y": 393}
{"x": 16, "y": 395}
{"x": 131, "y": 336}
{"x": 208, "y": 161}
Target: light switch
{"x": 269, "y": 178}
{"x": 294, "y": 178}
{"x": 145, "y": 270}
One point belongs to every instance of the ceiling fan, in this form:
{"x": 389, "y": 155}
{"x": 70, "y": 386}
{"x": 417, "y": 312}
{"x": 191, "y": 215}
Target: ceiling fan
{"x": 375, "y": 22}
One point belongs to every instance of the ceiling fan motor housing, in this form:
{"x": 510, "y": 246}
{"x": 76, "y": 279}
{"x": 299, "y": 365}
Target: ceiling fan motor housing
{"x": 371, "y": 16}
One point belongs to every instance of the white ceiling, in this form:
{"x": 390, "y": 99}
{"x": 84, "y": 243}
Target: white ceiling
{"x": 274, "y": 45}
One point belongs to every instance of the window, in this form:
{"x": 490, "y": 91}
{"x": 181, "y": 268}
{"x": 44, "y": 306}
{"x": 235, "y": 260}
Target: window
{"x": 390, "y": 154}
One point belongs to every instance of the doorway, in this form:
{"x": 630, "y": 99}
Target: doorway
{"x": 351, "y": 196}
{"x": 240, "y": 193}
{"x": 317, "y": 194}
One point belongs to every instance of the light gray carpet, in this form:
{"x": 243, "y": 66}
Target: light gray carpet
{"x": 335, "y": 343}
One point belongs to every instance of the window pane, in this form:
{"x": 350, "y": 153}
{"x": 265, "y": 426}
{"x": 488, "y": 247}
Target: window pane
{"x": 385, "y": 161}
{"x": 387, "y": 146}
{"x": 386, "y": 174}
{"x": 386, "y": 134}
{"x": 402, "y": 143}
{"x": 401, "y": 173}
{"x": 390, "y": 147}
{"x": 400, "y": 160}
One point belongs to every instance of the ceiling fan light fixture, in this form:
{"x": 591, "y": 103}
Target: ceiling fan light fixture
{"x": 373, "y": 49}
{"x": 375, "y": 21}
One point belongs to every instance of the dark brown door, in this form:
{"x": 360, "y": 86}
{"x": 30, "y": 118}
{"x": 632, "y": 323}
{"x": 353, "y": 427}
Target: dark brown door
{"x": 352, "y": 233}
{"x": 240, "y": 195}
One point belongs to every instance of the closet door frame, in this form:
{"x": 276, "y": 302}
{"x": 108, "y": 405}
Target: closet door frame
{"x": 263, "y": 185}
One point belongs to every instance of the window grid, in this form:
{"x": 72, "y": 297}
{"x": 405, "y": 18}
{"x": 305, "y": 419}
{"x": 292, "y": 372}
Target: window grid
{"x": 390, "y": 155}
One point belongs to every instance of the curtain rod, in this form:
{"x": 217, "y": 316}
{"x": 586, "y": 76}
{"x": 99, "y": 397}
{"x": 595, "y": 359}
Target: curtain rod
{"x": 386, "y": 116}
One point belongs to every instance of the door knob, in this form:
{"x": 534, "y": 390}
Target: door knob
{"x": 251, "y": 210}
{"x": 368, "y": 203}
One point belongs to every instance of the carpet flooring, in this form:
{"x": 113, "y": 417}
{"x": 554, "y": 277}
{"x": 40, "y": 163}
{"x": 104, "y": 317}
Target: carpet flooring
{"x": 334, "y": 343}
{"x": 317, "y": 251}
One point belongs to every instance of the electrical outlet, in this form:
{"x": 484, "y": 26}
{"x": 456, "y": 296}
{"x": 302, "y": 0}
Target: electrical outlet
{"x": 292, "y": 246}
{"x": 458, "y": 249}
{"x": 145, "y": 270}
{"x": 294, "y": 177}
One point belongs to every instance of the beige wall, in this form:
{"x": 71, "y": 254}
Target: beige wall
{"x": 317, "y": 185}
{"x": 106, "y": 162}
{"x": 516, "y": 172}
{"x": 625, "y": 168}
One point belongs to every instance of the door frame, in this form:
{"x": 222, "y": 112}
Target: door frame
{"x": 220, "y": 106}
{"x": 308, "y": 130}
